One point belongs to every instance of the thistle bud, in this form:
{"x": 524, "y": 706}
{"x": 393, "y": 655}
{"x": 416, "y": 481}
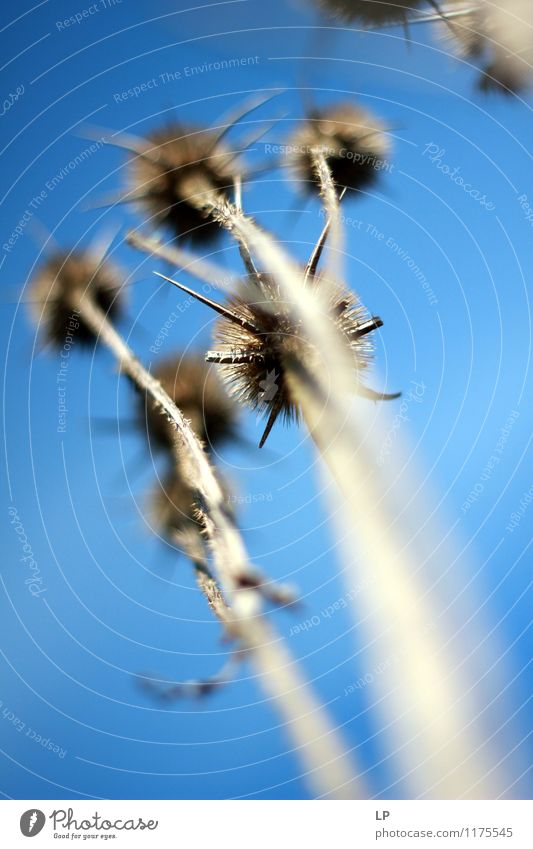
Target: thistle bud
{"x": 61, "y": 287}
{"x": 253, "y": 354}
{"x": 200, "y": 396}
{"x": 463, "y": 35}
{"x": 371, "y": 12}
{"x": 352, "y": 140}
{"x": 181, "y": 165}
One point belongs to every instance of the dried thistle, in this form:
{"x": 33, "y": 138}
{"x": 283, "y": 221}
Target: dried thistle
{"x": 324, "y": 757}
{"x": 176, "y": 516}
{"x": 257, "y": 337}
{"x": 63, "y": 284}
{"x": 198, "y": 688}
{"x": 175, "y": 164}
{"x": 371, "y": 12}
{"x": 496, "y": 32}
{"x": 199, "y": 394}
{"x": 353, "y": 142}
{"x": 461, "y": 29}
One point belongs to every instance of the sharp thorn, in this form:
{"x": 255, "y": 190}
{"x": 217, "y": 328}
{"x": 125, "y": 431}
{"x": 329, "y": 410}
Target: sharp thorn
{"x": 368, "y": 326}
{"x": 236, "y": 319}
{"x": 372, "y": 395}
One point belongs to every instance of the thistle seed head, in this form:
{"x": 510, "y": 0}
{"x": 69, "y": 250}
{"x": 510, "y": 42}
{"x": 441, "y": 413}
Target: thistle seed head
{"x": 371, "y": 12}
{"x": 175, "y": 515}
{"x": 182, "y": 165}
{"x": 65, "y": 280}
{"x": 199, "y": 394}
{"x": 504, "y": 75}
{"x": 463, "y": 35}
{"x": 352, "y": 140}
{"x": 257, "y": 375}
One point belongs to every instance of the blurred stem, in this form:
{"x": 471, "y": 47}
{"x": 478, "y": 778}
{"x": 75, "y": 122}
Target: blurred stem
{"x": 315, "y": 740}
{"x": 202, "y": 269}
{"x": 330, "y": 200}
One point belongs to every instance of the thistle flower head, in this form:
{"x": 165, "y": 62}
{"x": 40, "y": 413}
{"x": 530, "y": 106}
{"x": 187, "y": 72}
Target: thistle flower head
{"x": 352, "y": 140}
{"x": 64, "y": 282}
{"x": 176, "y": 516}
{"x": 175, "y": 513}
{"x": 180, "y": 165}
{"x": 253, "y": 354}
{"x": 463, "y": 35}
{"x": 200, "y": 396}
{"x": 371, "y": 12}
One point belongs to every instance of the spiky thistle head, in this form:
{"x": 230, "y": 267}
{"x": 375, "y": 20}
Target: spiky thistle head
{"x": 254, "y": 353}
{"x": 463, "y": 35}
{"x": 352, "y": 140}
{"x": 370, "y": 12}
{"x": 199, "y": 394}
{"x": 175, "y": 515}
{"x": 64, "y": 282}
{"x": 180, "y": 165}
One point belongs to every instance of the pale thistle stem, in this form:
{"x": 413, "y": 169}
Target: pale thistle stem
{"x": 316, "y": 741}
{"x": 203, "y": 269}
{"x": 427, "y": 701}
{"x": 210, "y": 588}
{"x": 330, "y": 200}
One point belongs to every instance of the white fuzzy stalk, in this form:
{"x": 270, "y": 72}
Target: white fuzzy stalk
{"x": 427, "y": 704}
{"x": 316, "y": 742}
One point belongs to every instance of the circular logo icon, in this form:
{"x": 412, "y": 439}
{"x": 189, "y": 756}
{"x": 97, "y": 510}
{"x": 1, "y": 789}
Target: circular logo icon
{"x": 32, "y": 822}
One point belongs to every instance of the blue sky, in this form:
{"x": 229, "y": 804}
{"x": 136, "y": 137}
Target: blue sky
{"x": 118, "y": 602}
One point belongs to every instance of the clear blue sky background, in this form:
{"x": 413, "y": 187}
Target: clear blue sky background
{"x": 117, "y": 600}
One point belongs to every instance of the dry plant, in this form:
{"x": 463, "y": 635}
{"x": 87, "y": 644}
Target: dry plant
{"x": 495, "y": 33}
{"x": 292, "y": 342}
{"x": 324, "y": 759}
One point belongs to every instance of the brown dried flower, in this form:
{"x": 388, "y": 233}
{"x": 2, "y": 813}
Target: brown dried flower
{"x": 199, "y": 394}
{"x": 371, "y": 12}
{"x": 62, "y": 284}
{"x": 258, "y": 335}
{"x": 177, "y": 165}
{"x": 352, "y": 140}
